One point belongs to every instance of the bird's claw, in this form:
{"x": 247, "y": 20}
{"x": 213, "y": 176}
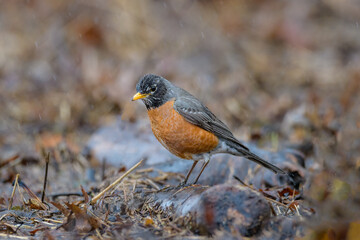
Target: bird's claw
{"x": 184, "y": 184}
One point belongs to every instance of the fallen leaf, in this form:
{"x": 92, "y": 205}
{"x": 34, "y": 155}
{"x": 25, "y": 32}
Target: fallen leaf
{"x": 148, "y": 221}
{"x": 35, "y": 204}
{"x": 86, "y": 196}
{"x": 32, "y": 233}
{"x": 288, "y": 192}
{"x": 62, "y": 209}
{"x": 84, "y": 222}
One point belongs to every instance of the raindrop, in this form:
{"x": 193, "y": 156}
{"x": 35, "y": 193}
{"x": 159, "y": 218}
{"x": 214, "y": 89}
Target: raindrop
{"x": 202, "y": 35}
{"x": 36, "y": 44}
{"x": 40, "y": 117}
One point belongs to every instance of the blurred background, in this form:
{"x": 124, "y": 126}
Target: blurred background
{"x": 277, "y": 72}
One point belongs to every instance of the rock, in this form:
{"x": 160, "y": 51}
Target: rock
{"x": 222, "y": 207}
{"x": 124, "y": 144}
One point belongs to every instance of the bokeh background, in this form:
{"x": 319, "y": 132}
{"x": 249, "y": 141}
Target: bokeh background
{"x": 277, "y": 72}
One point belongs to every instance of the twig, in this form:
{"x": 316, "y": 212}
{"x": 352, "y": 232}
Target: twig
{"x": 47, "y": 159}
{"x": 267, "y": 198}
{"x": 13, "y": 191}
{"x": 242, "y": 182}
{"x": 117, "y": 181}
{"x": 152, "y": 183}
{"x": 4, "y": 216}
{"x": 103, "y": 167}
{"x": 9, "y": 160}
{"x": 276, "y": 202}
{"x": 19, "y": 227}
{"x": 99, "y": 234}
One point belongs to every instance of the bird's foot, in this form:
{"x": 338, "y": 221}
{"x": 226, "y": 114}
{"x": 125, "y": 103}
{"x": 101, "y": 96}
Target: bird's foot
{"x": 169, "y": 188}
{"x": 183, "y": 184}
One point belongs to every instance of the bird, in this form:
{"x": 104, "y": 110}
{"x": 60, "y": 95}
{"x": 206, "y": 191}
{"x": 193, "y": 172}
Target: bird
{"x": 186, "y": 127}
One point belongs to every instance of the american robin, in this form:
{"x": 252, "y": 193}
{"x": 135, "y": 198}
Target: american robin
{"x": 186, "y": 127}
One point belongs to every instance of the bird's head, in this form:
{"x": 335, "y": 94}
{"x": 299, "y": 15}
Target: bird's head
{"x": 153, "y": 90}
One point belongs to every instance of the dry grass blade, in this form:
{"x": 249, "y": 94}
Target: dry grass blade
{"x": 16, "y": 184}
{"x": 116, "y": 182}
{"x": 33, "y": 198}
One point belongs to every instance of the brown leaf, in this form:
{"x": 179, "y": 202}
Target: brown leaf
{"x": 69, "y": 223}
{"x": 35, "y": 204}
{"x": 62, "y": 209}
{"x": 293, "y": 205}
{"x": 32, "y": 233}
{"x": 86, "y": 196}
{"x": 75, "y": 209}
{"x": 84, "y": 222}
{"x": 286, "y": 192}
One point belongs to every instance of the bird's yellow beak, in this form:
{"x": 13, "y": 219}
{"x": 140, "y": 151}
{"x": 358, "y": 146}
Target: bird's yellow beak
{"x": 138, "y": 96}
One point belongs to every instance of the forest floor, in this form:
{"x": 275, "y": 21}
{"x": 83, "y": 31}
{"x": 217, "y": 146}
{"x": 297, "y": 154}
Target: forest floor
{"x": 284, "y": 75}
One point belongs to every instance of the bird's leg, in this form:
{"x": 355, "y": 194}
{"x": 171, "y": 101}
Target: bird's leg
{"x": 207, "y": 160}
{"x": 188, "y": 175}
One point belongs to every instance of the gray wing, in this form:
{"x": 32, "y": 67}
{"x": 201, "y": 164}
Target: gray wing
{"x": 198, "y": 114}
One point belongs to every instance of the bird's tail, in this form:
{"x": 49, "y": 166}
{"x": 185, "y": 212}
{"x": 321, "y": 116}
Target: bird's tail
{"x": 245, "y": 152}
{"x": 253, "y": 157}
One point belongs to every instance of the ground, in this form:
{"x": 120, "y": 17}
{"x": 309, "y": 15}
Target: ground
{"x": 282, "y": 75}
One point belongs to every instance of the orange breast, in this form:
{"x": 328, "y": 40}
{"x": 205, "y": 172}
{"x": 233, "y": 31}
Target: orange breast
{"x": 177, "y": 135}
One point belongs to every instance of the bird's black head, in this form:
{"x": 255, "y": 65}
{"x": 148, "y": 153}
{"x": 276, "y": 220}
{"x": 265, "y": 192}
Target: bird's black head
{"x": 154, "y": 91}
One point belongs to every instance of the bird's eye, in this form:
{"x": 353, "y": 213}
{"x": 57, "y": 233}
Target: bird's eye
{"x": 153, "y": 88}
